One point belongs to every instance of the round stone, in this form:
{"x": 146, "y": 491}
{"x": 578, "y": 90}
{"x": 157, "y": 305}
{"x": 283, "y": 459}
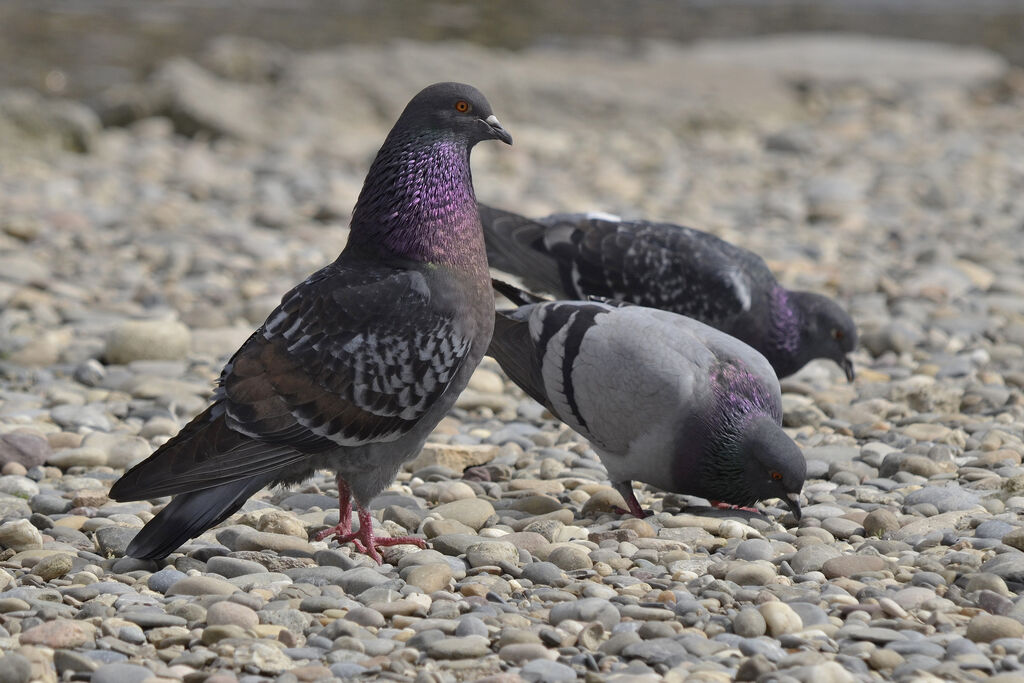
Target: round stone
{"x": 134, "y": 340}
{"x": 429, "y": 577}
{"x": 571, "y": 557}
{"x": 756, "y": 573}
{"x": 849, "y": 565}
{"x": 53, "y": 566}
{"x": 880, "y": 522}
{"x": 492, "y": 553}
{"x": 19, "y": 535}
{"x": 231, "y": 613}
{"x": 780, "y": 618}
{"x": 749, "y": 623}
{"x": 984, "y": 628}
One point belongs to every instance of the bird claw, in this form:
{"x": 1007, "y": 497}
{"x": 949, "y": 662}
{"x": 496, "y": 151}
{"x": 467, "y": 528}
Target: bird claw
{"x": 719, "y": 505}
{"x": 367, "y": 543}
{"x": 642, "y": 514}
{"x": 337, "y": 530}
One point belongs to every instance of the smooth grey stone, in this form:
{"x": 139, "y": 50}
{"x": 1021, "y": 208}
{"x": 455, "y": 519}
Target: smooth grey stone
{"x": 69, "y": 660}
{"x": 961, "y": 646}
{"x": 424, "y": 638}
{"x": 810, "y": 614}
{"x": 164, "y": 579}
{"x": 993, "y": 528}
{"x": 1007, "y": 566}
{"x": 762, "y": 646}
{"x": 334, "y": 558}
{"x": 306, "y": 501}
{"x": 544, "y": 573}
{"x": 544, "y": 670}
{"x": 113, "y": 540}
{"x": 944, "y": 498}
{"x": 347, "y": 671}
{"x": 231, "y": 567}
{"x": 152, "y": 619}
{"x": 658, "y": 651}
{"x": 754, "y": 549}
{"x": 15, "y": 668}
{"x": 923, "y": 648}
{"x": 121, "y": 673}
{"x": 46, "y": 504}
{"x": 586, "y": 610}
{"x": 470, "y": 625}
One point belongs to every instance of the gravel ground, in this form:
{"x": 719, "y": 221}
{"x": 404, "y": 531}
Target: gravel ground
{"x": 130, "y": 268}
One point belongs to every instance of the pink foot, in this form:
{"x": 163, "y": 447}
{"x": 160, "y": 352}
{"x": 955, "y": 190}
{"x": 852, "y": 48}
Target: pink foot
{"x": 728, "y": 506}
{"x": 365, "y": 541}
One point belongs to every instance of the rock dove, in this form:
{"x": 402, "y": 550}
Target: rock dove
{"x": 356, "y": 366}
{"x": 663, "y": 398}
{"x": 676, "y": 269}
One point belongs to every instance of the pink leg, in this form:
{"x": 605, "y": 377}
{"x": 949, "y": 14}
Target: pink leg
{"x": 626, "y": 489}
{"x": 365, "y": 541}
{"x": 344, "y": 527}
{"x": 727, "y": 506}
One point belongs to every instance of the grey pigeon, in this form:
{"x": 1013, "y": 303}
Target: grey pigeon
{"x": 359, "y": 362}
{"x": 663, "y": 398}
{"x": 674, "y": 268}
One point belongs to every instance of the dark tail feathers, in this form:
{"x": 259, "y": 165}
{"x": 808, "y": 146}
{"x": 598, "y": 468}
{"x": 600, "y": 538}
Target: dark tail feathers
{"x": 520, "y": 297}
{"x": 190, "y": 514}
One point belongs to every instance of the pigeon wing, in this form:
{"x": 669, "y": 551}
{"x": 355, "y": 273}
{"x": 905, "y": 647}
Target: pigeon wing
{"x": 351, "y": 356}
{"x": 660, "y": 265}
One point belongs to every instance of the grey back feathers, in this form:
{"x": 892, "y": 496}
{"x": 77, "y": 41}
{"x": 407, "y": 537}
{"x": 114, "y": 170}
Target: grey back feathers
{"x": 360, "y": 361}
{"x": 674, "y": 268}
{"x": 663, "y": 398}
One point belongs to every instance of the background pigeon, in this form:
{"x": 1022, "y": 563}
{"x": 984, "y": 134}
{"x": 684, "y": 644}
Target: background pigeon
{"x": 676, "y": 269}
{"x": 359, "y": 362}
{"x": 664, "y": 399}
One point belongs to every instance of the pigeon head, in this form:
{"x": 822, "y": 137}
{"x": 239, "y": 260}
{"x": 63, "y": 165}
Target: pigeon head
{"x": 827, "y": 331}
{"x": 454, "y": 109}
{"x": 805, "y": 326}
{"x": 773, "y": 466}
{"x": 417, "y": 201}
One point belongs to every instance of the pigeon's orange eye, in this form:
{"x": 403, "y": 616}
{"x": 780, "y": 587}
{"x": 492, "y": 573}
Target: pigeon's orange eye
{"x": 462, "y": 106}
{"x": 776, "y": 476}
{"x": 837, "y": 334}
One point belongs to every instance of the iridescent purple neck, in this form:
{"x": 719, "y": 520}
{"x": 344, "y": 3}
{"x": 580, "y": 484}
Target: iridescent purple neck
{"x": 785, "y": 321}
{"x": 739, "y": 397}
{"x": 418, "y": 202}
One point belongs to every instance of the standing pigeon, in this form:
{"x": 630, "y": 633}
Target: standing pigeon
{"x": 359, "y": 362}
{"x": 663, "y": 398}
{"x": 676, "y": 269}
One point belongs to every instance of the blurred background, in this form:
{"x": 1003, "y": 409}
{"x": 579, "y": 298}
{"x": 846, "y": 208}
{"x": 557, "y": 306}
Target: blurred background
{"x": 868, "y": 150}
{"x": 96, "y": 43}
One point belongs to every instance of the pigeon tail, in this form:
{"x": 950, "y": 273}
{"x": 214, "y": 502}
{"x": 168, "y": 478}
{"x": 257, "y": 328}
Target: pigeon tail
{"x": 515, "y": 244}
{"x": 520, "y": 297}
{"x": 190, "y": 514}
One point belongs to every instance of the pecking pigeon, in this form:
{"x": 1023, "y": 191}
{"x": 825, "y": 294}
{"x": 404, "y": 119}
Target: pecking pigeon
{"x": 676, "y": 269}
{"x": 664, "y": 399}
{"x": 358, "y": 363}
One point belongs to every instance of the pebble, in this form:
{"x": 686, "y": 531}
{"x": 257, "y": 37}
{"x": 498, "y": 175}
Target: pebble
{"x": 780, "y": 618}
{"x": 984, "y": 628}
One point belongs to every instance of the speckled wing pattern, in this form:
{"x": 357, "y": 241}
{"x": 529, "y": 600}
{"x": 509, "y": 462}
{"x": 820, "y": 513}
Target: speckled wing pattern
{"x": 350, "y": 356}
{"x": 660, "y": 265}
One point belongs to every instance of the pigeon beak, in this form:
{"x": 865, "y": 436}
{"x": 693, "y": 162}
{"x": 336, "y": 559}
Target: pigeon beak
{"x": 847, "y": 365}
{"x": 792, "y": 501}
{"x": 497, "y": 131}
